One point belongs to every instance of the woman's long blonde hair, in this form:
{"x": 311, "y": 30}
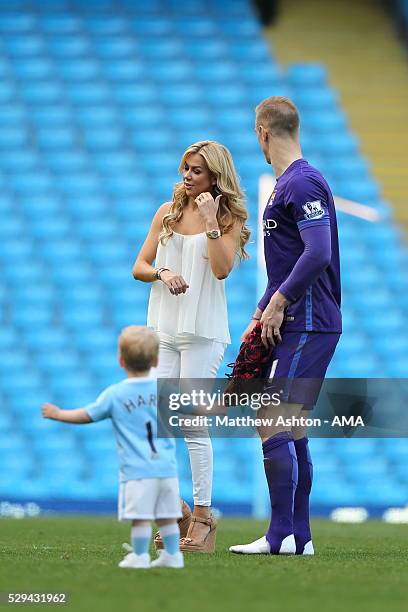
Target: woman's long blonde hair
{"x": 232, "y": 206}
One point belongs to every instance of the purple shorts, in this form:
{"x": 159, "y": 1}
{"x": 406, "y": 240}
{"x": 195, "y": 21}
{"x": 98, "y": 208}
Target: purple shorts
{"x": 299, "y": 364}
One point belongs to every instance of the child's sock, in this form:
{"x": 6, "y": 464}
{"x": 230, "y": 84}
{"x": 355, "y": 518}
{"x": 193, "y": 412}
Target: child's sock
{"x": 280, "y": 464}
{"x": 171, "y": 538}
{"x": 141, "y": 539}
{"x": 301, "y": 512}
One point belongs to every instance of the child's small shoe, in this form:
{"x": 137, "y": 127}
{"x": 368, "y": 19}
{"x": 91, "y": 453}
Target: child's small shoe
{"x": 133, "y": 561}
{"x": 165, "y": 560}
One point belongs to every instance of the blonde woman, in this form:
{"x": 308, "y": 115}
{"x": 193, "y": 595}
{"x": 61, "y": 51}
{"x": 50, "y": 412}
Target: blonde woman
{"x": 194, "y": 241}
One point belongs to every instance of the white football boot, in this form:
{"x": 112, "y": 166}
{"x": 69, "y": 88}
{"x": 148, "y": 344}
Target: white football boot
{"x": 262, "y": 547}
{"x": 165, "y": 560}
{"x": 308, "y": 548}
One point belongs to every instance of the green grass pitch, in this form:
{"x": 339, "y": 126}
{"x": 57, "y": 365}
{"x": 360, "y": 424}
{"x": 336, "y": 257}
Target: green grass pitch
{"x": 357, "y": 567}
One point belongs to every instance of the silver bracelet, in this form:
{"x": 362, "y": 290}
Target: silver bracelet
{"x": 158, "y": 272}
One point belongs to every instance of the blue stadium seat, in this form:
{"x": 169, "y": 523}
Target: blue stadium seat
{"x": 54, "y": 339}
{"x": 243, "y": 142}
{"x": 95, "y": 139}
{"x": 143, "y": 115}
{"x": 364, "y": 191}
{"x": 97, "y": 116}
{"x": 250, "y": 50}
{"x": 307, "y": 75}
{"x": 106, "y": 25}
{"x": 68, "y": 274}
{"x": 114, "y": 47}
{"x": 14, "y": 160}
{"x": 12, "y": 249}
{"x": 97, "y": 339}
{"x": 221, "y": 72}
{"x": 322, "y": 99}
{"x": 52, "y": 138}
{"x": 59, "y": 470}
{"x": 80, "y": 317}
{"x": 58, "y": 363}
{"x": 20, "y": 45}
{"x": 31, "y": 296}
{"x": 124, "y": 184}
{"x": 113, "y": 253}
{"x": 77, "y": 183}
{"x": 334, "y": 123}
{"x": 132, "y": 94}
{"x": 72, "y": 383}
{"x": 89, "y": 296}
{"x": 12, "y": 137}
{"x": 67, "y": 161}
{"x": 171, "y": 72}
{"x": 151, "y": 26}
{"x": 383, "y": 492}
{"x": 41, "y": 92}
{"x": 60, "y": 24}
{"x": 159, "y": 49}
{"x": 60, "y": 250}
{"x": 49, "y": 228}
{"x": 105, "y": 366}
{"x": 8, "y": 337}
{"x": 78, "y": 69}
{"x": 174, "y": 95}
{"x": 86, "y": 206}
{"x": 41, "y": 316}
{"x": 329, "y": 491}
{"x": 13, "y": 113}
{"x": 68, "y": 46}
{"x": 229, "y": 95}
{"x": 397, "y": 369}
{"x": 37, "y": 68}
{"x": 15, "y": 442}
{"x": 235, "y": 118}
{"x": 87, "y": 93}
{"x": 17, "y": 467}
{"x": 101, "y": 229}
{"x": 206, "y": 50}
{"x": 51, "y": 115}
{"x": 16, "y": 23}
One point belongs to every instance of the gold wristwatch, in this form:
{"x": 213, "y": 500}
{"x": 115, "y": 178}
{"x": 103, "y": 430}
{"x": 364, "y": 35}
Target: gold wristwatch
{"x": 215, "y": 233}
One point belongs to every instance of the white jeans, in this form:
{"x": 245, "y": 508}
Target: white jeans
{"x": 188, "y": 356}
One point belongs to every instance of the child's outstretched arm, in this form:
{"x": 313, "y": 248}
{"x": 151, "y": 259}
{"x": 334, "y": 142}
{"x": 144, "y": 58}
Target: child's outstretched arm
{"x": 79, "y": 416}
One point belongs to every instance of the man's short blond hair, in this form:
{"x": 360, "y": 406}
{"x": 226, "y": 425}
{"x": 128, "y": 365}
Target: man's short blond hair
{"x": 138, "y": 347}
{"x": 279, "y": 116}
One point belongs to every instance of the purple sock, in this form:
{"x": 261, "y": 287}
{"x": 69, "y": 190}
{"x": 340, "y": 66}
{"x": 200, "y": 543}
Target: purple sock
{"x": 281, "y": 473}
{"x": 301, "y": 520}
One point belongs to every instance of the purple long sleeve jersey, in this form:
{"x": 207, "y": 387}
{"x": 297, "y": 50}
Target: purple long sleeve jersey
{"x": 302, "y": 251}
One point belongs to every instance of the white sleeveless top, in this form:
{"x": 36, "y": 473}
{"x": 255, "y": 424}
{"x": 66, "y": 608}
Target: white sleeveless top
{"x": 202, "y": 310}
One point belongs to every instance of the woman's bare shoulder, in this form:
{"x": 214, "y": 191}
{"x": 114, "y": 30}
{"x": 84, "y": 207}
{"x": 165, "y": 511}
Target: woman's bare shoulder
{"x": 160, "y": 213}
{"x": 163, "y": 210}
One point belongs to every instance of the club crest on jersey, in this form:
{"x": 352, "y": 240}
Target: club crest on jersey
{"x": 313, "y": 210}
{"x": 272, "y": 197}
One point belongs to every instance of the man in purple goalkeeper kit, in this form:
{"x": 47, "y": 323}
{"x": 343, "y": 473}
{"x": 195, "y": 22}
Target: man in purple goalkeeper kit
{"x": 300, "y": 318}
